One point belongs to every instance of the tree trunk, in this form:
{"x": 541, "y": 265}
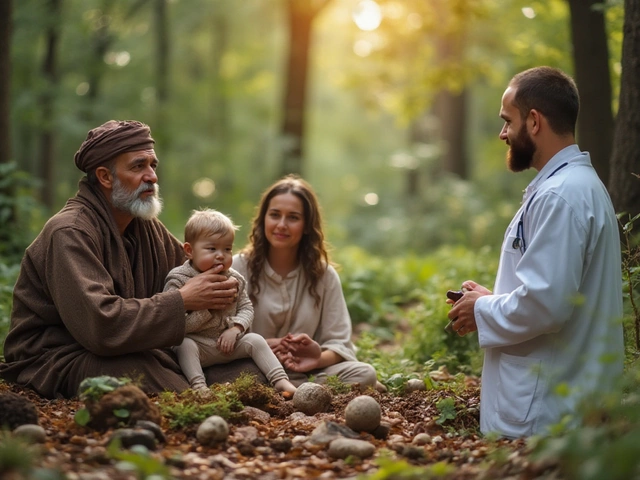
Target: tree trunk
{"x": 219, "y": 110}
{"x": 162, "y": 72}
{"x": 5, "y": 80}
{"x": 99, "y": 45}
{"x": 451, "y": 110}
{"x": 47, "y": 135}
{"x": 625, "y": 161}
{"x": 301, "y": 14}
{"x": 591, "y": 62}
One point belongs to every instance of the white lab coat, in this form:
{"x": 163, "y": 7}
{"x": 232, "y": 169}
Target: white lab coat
{"x": 552, "y": 330}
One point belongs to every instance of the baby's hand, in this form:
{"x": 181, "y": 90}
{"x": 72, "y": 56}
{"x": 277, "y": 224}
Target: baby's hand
{"x": 227, "y": 341}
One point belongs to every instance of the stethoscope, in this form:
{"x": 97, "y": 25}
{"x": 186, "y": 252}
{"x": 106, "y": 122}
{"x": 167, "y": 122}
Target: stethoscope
{"x": 518, "y": 242}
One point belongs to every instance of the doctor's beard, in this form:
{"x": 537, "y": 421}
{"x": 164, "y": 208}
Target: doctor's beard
{"x": 521, "y": 151}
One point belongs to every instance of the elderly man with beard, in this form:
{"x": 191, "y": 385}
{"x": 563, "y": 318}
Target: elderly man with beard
{"x": 88, "y": 300}
{"x": 551, "y": 330}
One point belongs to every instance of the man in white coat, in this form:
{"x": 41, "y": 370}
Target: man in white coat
{"x": 551, "y": 330}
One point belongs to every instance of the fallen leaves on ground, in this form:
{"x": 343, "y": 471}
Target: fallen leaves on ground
{"x": 274, "y": 447}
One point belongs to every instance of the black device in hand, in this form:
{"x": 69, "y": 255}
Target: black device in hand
{"x": 454, "y": 295}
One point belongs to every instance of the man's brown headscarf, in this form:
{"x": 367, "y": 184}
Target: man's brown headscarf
{"x": 109, "y": 140}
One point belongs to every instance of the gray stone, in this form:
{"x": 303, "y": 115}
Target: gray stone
{"x": 311, "y": 398}
{"x": 328, "y": 431}
{"x": 421, "y": 439}
{"x": 153, "y": 427}
{"x": 363, "y": 414}
{"x": 381, "y": 432}
{"x": 252, "y": 413}
{"x": 349, "y": 447}
{"x": 134, "y": 436}
{"x": 31, "y": 433}
{"x": 213, "y": 430}
{"x": 414, "y": 385}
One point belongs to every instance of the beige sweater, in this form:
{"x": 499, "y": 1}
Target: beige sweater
{"x": 205, "y": 326}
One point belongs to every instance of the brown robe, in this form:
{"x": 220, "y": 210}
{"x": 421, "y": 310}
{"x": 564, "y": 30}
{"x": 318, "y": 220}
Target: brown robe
{"x": 88, "y": 301}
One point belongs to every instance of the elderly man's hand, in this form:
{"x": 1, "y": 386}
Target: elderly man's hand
{"x": 209, "y": 290}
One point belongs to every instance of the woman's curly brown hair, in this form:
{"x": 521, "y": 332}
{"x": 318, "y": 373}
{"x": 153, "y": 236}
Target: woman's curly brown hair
{"x": 312, "y": 250}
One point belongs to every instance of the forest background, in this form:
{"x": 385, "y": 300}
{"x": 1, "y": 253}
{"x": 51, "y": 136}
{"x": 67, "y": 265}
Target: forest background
{"x": 388, "y": 108}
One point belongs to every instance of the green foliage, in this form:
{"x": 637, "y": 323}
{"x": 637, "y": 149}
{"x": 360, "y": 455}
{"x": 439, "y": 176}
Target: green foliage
{"x": 16, "y": 456}
{"x": 401, "y": 301}
{"x": 447, "y": 409}
{"x": 17, "y": 207}
{"x": 336, "y": 385}
{"x": 93, "y": 388}
{"x": 392, "y": 469}
{"x": 82, "y": 417}
{"x": 139, "y": 461}
{"x": 606, "y": 443}
{"x": 187, "y": 408}
{"x": 631, "y": 277}
{"x": 8, "y": 276}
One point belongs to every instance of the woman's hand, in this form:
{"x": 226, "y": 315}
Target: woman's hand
{"x": 301, "y": 345}
{"x": 301, "y": 364}
{"x": 227, "y": 341}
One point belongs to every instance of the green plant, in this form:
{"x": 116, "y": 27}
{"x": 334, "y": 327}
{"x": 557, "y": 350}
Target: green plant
{"x": 336, "y": 385}
{"x": 631, "y": 272}
{"x": 17, "y": 208}
{"x": 16, "y": 456}
{"x": 92, "y": 389}
{"x": 447, "y": 409}
{"x": 605, "y": 445}
{"x": 187, "y": 408}
{"x": 391, "y": 469}
{"x": 8, "y": 276}
{"x": 138, "y": 460}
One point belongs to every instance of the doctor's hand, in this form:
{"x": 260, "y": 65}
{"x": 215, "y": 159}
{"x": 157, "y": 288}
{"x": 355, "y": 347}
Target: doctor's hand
{"x": 462, "y": 314}
{"x": 472, "y": 286}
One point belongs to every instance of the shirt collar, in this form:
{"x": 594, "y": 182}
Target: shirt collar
{"x": 564, "y": 155}
{"x": 271, "y": 273}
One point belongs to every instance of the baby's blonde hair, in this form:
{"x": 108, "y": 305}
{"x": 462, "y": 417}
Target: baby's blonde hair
{"x": 207, "y": 222}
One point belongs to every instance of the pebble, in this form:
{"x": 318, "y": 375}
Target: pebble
{"x": 414, "y": 385}
{"x": 363, "y": 414}
{"x": 252, "y": 413}
{"x": 153, "y": 427}
{"x": 134, "y": 436}
{"x": 311, "y": 398}
{"x": 328, "y": 431}
{"x": 421, "y": 439}
{"x": 213, "y": 430}
{"x": 347, "y": 447}
{"x": 31, "y": 433}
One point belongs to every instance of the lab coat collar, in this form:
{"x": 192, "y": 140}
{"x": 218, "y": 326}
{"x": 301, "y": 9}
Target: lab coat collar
{"x": 570, "y": 154}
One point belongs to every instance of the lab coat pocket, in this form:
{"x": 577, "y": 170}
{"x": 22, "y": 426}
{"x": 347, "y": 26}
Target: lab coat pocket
{"x": 518, "y": 382}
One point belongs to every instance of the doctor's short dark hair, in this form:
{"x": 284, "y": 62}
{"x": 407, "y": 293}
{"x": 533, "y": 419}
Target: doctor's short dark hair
{"x": 551, "y": 92}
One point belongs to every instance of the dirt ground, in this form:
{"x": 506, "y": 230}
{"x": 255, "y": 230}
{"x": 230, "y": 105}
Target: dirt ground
{"x": 275, "y": 446}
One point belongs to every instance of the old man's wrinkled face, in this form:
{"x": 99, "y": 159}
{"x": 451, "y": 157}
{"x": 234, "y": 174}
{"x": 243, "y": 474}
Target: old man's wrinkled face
{"x": 135, "y": 189}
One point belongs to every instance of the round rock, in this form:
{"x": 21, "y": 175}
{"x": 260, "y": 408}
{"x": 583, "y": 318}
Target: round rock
{"x": 347, "y": 447}
{"x": 415, "y": 385}
{"x": 31, "y": 433}
{"x": 363, "y": 414}
{"x": 213, "y": 430}
{"x": 311, "y": 398}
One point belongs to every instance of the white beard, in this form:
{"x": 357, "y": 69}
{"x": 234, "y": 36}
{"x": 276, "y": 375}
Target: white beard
{"x": 130, "y": 202}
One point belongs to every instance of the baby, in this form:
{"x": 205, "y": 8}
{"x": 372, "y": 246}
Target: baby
{"x": 219, "y": 336}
